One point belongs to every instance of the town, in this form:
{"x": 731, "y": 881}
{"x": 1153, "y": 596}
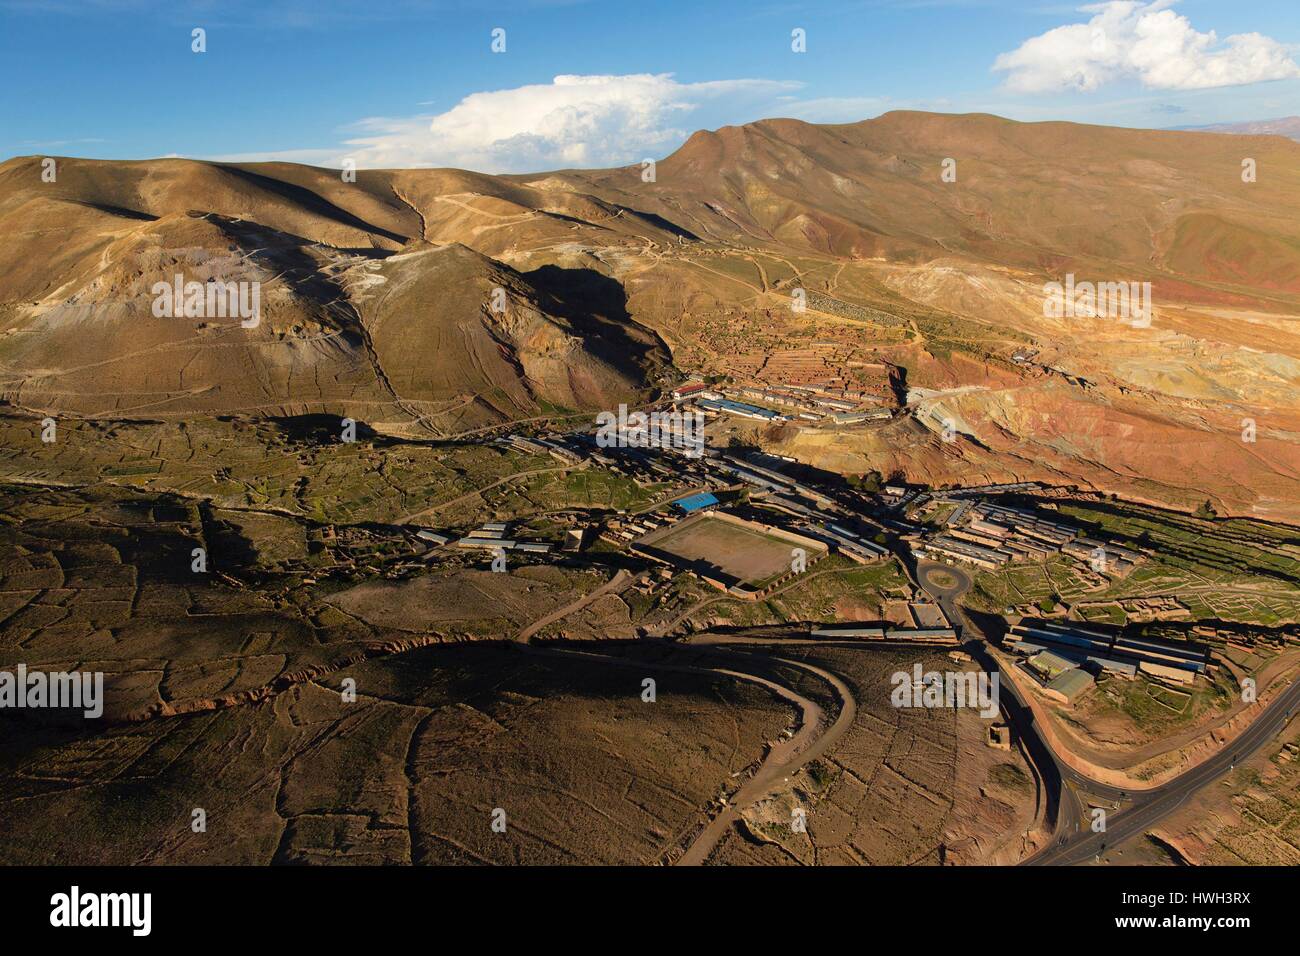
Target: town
{"x": 753, "y": 522}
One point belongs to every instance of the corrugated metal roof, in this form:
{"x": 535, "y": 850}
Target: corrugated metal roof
{"x": 695, "y": 502}
{"x": 1071, "y": 683}
{"x": 1051, "y": 662}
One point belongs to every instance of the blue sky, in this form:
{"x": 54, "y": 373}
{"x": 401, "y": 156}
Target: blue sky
{"x": 408, "y": 83}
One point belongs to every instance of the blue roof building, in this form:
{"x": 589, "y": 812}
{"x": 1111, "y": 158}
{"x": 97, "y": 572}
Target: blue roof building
{"x": 696, "y": 502}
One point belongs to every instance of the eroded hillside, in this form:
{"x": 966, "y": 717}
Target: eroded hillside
{"x": 380, "y": 297}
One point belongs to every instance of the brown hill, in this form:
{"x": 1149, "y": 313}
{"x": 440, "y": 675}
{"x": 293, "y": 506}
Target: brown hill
{"x": 1288, "y": 126}
{"x": 377, "y": 294}
{"x": 1033, "y": 195}
{"x": 348, "y": 324}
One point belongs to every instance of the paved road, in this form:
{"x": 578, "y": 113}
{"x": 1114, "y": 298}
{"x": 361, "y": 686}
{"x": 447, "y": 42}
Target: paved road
{"x": 1152, "y": 806}
{"x": 927, "y": 573}
{"x": 1072, "y": 842}
{"x": 1062, "y": 807}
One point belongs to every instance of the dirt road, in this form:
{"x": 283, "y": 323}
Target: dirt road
{"x": 786, "y": 757}
{"x": 614, "y": 584}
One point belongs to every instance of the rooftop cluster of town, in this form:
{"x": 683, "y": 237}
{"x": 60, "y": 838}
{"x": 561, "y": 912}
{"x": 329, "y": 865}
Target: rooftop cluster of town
{"x": 742, "y": 500}
{"x": 820, "y": 403}
{"x": 1061, "y": 656}
{"x": 989, "y": 535}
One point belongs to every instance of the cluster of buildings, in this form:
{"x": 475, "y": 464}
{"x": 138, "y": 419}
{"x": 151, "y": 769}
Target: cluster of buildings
{"x": 642, "y": 464}
{"x": 875, "y": 632}
{"x": 623, "y": 530}
{"x": 910, "y": 501}
{"x": 750, "y": 473}
{"x": 928, "y": 625}
{"x": 541, "y": 446}
{"x": 805, "y": 400}
{"x": 1025, "y": 358}
{"x": 759, "y": 472}
{"x": 990, "y": 535}
{"x": 1059, "y": 678}
{"x": 1052, "y": 649}
{"x": 844, "y": 541}
{"x": 492, "y": 536}
{"x": 1062, "y": 658}
{"x": 816, "y": 531}
{"x": 818, "y": 520}
{"x": 740, "y": 409}
{"x": 842, "y": 406}
{"x": 634, "y": 452}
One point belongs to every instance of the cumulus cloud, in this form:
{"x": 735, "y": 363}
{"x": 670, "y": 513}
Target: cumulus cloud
{"x": 571, "y": 121}
{"x": 1147, "y": 41}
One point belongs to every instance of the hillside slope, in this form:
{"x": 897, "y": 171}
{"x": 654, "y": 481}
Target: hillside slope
{"x": 356, "y": 317}
{"x": 378, "y": 295}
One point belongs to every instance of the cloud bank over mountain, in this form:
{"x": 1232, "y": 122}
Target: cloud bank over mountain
{"x": 572, "y": 121}
{"x": 1147, "y": 42}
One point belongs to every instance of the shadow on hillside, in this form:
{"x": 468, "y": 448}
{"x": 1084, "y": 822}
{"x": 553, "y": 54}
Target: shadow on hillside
{"x": 112, "y": 210}
{"x": 658, "y": 221}
{"x": 596, "y": 305}
{"x": 319, "y": 428}
{"x": 312, "y": 201}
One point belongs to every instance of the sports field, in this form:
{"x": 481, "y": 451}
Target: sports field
{"x": 744, "y": 552}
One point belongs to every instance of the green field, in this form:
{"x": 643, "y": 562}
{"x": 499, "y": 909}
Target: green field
{"x": 1229, "y": 570}
{"x": 745, "y": 553}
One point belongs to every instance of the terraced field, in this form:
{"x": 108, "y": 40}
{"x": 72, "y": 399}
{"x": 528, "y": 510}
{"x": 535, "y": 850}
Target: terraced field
{"x": 1231, "y": 570}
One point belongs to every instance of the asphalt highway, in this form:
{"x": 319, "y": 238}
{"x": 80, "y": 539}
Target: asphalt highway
{"x": 1072, "y": 842}
{"x": 1151, "y": 806}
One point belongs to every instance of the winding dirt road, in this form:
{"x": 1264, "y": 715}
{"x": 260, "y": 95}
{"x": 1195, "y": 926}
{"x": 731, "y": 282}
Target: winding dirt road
{"x": 784, "y": 758}
{"x": 812, "y": 740}
{"x": 613, "y": 585}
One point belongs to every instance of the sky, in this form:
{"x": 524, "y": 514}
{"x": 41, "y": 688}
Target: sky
{"x": 404, "y": 83}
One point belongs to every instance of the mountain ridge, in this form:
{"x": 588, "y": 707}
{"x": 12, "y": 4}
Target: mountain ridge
{"x": 611, "y": 278}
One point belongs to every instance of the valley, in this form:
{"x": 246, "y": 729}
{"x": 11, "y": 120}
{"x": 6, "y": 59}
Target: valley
{"x": 365, "y": 581}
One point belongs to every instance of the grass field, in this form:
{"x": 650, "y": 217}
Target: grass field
{"x": 744, "y": 553}
{"x": 1234, "y": 570}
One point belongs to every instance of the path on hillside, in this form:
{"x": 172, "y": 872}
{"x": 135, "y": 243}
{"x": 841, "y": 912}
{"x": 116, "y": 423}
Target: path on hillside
{"x": 616, "y": 583}
{"x": 433, "y": 509}
{"x": 670, "y": 626}
{"x": 785, "y": 757}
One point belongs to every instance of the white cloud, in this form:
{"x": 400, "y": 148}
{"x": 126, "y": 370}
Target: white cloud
{"x": 571, "y": 121}
{"x": 1147, "y": 41}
